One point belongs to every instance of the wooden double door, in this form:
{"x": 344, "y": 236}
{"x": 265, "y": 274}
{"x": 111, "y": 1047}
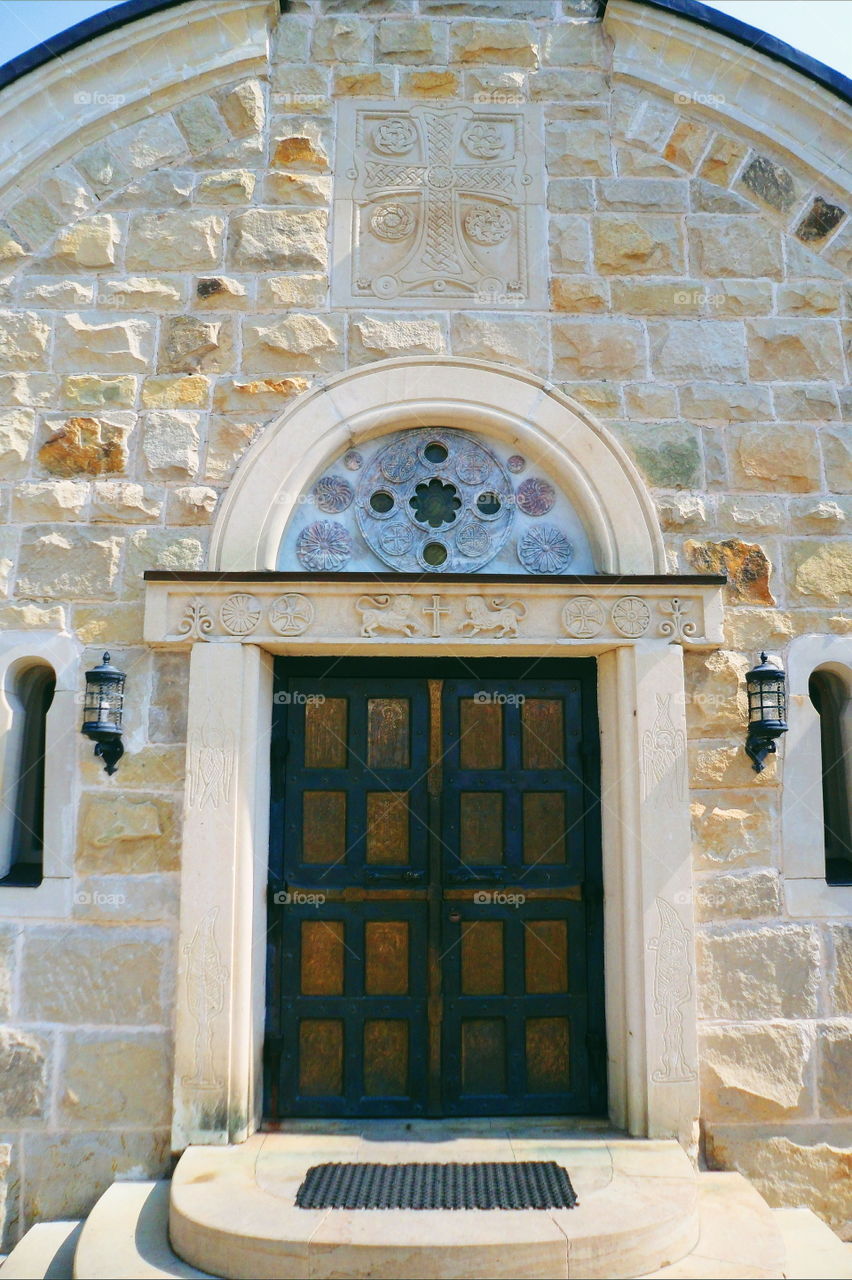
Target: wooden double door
{"x": 435, "y": 928}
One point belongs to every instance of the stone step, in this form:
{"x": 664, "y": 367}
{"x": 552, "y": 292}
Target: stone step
{"x": 45, "y": 1253}
{"x": 813, "y": 1251}
{"x": 233, "y": 1209}
{"x": 739, "y": 1238}
{"x": 126, "y": 1237}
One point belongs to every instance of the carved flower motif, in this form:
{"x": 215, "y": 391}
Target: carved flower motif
{"x": 516, "y": 463}
{"x": 395, "y": 136}
{"x": 353, "y": 461}
{"x": 487, "y": 226}
{"x": 333, "y": 494}
{"x": 535, "y": 497}
{"x": 240, "y": 614}
{"x": 392, "y": 221}
{"x": 482, "y": 139}
{"x": 324, "y": 546}
{"x": 631, "y": 616}
{"x": 545, "y": 549}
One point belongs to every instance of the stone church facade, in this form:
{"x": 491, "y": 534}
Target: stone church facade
{"x": 242, "y": 250}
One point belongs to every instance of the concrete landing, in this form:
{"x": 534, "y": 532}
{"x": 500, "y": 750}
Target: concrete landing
{"x": 233, "y": 1209}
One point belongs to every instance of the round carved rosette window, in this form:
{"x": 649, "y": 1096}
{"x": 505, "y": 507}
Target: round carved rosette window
{"x": 435, "y": 498}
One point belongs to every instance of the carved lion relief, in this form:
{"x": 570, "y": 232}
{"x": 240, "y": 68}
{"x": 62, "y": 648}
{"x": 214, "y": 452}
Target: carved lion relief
{"x": 436, "y": 203}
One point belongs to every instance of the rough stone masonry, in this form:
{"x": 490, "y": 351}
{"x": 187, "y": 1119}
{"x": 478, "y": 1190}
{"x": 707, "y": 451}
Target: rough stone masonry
{"x": 166, "y": 291}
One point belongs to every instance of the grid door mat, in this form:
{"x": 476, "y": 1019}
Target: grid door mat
{"x": 522, "y": 1184}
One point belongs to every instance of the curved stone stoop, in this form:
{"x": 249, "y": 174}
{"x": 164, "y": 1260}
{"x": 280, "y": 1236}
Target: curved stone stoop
{"x": 233, "y": 1209}
{"x": 126, "y": 1238}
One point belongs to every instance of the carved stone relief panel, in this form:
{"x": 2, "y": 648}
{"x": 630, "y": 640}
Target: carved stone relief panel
{"x": 438, "y": 203}
{"x": 271, "y": 612}
{"x": 435, "y": 499}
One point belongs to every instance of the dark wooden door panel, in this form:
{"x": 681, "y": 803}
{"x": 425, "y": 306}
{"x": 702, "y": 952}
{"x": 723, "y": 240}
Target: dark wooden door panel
{"x": 352, "y": 1012}
{"x": 435, "y": 911}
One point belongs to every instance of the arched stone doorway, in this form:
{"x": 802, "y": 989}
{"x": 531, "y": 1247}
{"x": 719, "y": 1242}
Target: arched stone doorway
{"x": 629, "y": 616}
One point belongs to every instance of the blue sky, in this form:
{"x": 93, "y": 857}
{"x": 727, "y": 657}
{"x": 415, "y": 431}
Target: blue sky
{"x": 822, "y": 28}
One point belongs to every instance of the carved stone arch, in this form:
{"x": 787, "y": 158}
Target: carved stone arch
{"x": 577, "y": 451}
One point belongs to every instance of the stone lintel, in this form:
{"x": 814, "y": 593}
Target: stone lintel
{"x": 287, "y": 613}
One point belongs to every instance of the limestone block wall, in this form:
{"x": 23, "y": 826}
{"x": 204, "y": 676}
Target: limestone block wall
{"x": 165, "y": 292}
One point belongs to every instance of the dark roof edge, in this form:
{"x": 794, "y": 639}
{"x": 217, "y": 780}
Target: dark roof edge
{"x": 765, "y": 43}
{"x": 121, "y": 14}
{"x": 64, "y": 41}
{"x": 98, "y": 24}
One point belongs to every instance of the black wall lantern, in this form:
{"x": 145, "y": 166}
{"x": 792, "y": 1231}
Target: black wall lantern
{"x": 767, "y": 710}
{"x": 102, "y": 712}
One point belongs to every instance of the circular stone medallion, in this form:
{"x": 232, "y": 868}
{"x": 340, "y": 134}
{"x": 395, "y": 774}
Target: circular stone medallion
{"x": 516, "y": 463}
{"x": 631, "y": 616}
{"x": 473, "y": 541}
{"x": 396, "y": 540}
{"x": 583, "y": 617}
{"x": 290, "y": 615}
{"x": 240, "y": 614}
{"x": 324, "y": 547}
{"x": 398, "y": 463}
{"x": 545, "y": 549}
{"x": 395, "y": 136}
{"x": 430, "y": 481}
{"x": 482, "y": 139}
{"x": 333, "y": 494}
{"x": 535, "y": 497}
{"x": 392, "y": 221}
{"x": 471, "y": 467}
{"x": 487, "y": 226}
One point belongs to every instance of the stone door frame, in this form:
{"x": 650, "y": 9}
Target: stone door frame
{"x": 632, "y": 616}
{"x": 234, "y": 624}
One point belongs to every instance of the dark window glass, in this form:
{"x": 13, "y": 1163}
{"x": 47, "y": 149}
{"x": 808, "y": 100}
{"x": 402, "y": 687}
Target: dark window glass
{"x": 31, "y": 695}
{"x": 831, "y": 698}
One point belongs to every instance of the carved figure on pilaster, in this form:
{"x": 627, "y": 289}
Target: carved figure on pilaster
{"x": 664, "y": 759}
{"x": 672, "y": 989}
{"x": 205, "y": 980}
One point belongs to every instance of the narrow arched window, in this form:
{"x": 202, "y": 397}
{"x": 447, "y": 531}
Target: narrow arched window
{"x": 30, "y": 695}
{"x": 830, "y": 696}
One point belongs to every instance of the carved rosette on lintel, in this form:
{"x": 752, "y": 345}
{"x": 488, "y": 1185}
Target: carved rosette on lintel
{"x": 286, "y": 612}
{"x": 438, "y": 203}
